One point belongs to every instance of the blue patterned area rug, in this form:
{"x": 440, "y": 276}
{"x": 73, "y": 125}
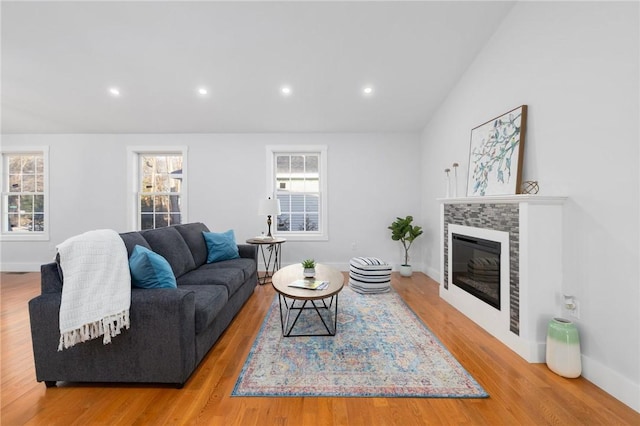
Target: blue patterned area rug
{"x": 381, "y": 349}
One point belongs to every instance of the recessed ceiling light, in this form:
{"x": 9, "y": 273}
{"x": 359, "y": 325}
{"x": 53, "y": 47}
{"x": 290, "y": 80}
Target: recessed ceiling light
{"x": 367, "y": 90}
{"x": 202, "y": 91}
{"x": 285, "y": 90}
{"x": 114, "y": 91}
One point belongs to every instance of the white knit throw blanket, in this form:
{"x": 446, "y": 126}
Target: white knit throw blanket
{"x": 96, "y": 293}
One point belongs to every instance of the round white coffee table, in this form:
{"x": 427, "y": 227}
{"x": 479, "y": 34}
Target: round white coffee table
{"x": 294, "y": 299}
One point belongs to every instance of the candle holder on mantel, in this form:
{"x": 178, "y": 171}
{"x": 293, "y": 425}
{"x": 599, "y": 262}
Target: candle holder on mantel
{"x": 448, "y": 188}
{"x": 455, "y": 180}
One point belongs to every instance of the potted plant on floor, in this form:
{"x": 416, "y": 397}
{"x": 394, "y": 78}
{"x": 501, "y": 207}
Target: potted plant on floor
{"x": 309, "y": 267}
{"x": 402, "y": 230}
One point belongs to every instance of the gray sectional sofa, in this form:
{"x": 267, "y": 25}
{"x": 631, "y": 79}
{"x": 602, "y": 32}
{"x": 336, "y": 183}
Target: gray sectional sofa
{"x": 171, "y": 329}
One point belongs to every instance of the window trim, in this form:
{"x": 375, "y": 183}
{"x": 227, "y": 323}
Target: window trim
{"x": 26, "y": 236}
{"x": 133, "y": 172}
{"x": 271, "y": 152}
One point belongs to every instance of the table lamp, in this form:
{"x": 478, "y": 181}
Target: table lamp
{"x": 269, "y": 207}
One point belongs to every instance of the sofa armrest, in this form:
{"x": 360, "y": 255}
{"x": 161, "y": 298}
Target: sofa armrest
{"x": 50, "y": 279}
{"x": 159, "y": 346}
{"x": 248, "y": 251}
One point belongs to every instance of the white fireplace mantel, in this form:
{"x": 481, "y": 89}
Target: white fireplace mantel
{"x": 539, "y": 264}
{"x": 507, "y": 199}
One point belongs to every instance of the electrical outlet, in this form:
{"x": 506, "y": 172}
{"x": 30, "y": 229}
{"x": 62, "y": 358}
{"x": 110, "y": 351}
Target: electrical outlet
{"x": 575, "y": 312}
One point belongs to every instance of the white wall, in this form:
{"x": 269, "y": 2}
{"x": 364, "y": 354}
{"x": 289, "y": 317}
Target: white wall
{"x": 372, "y": 179}
{"x": 576, "y": 66}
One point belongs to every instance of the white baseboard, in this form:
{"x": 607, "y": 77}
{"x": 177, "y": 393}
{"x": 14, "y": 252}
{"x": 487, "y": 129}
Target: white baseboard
{"x": 20, "y": 267}
{"x": 612, "y": 382}
{"x": 433, "y": 273}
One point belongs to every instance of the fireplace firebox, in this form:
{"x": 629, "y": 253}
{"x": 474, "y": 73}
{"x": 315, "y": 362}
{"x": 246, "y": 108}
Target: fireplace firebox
{"x": 476, "y": 267}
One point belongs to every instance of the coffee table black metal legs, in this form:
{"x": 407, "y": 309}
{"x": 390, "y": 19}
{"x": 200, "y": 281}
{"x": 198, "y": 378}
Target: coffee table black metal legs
{"x": 329, "y": 320}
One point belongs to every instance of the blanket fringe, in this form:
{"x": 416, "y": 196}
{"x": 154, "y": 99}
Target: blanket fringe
{"x": 106, "y": 327}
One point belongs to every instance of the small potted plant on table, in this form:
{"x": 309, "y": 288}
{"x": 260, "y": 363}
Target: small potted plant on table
{"x": 309, "y": 266}
{"x": 402, "y": 230}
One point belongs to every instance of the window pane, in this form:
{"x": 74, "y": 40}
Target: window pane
{"x": 174, "y": 164}
{"x": 15, "y": 183}
{"x": 162, "y": 220}
{"x": 38, "y": 203}
{"x": 29, "y": 183}
{"x": 161, "y": 164}
{"x": 297, "y": 164}
{"x": 282, "y": 164}
{"x": 174, "y": 203}
{"x": 175, "y": 184}
{"x": 297, "y": 222}
{"x": 311, "y": 203}
{"x": 26, "y": 203}
{"x": 15, "y": 164}
{"x": 146, "y": 203}
{"x": 39, "y": 183}
{"x": 311, "y": 222}
{"x": 161, "y": 204}
{"x": 39, "y": 164}
{"x": 297, "y": 203}
{"x": 175, "y": 218}
{"x": 28, "y": 164}
{"x": 146, "y": 221}
{"x": 13, "y": 222}
{"x": 13, "y": 203}
{"x": 38, "y": 222}
{"x": 147, "y": 184}
{"x": 162, "y": 183}
{"x": 148, "y": 165}
{"x": 311, "y": 164}
{"x": 284, "y": 222}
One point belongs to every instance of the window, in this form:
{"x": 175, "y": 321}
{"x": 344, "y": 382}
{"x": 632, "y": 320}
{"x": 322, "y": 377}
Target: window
{"x": 25, "y": 194}
{"x": 160, "y": 182}
{"x": 298, "y": 179}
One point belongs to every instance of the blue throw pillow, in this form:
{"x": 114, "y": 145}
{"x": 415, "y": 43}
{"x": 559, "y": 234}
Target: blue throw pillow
{"x": 221, "y": 246}
{"x": 150, "y": 270}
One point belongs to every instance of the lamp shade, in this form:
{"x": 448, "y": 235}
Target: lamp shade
{"x": 269, "y": 207}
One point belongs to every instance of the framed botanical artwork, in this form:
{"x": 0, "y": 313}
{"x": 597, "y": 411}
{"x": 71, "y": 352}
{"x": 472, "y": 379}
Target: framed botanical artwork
{"x": 495, "y": 155}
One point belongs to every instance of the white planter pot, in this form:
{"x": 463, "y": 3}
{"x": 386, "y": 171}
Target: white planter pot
{"x": 309, "y": 272}
{"x": 405, "y": 270}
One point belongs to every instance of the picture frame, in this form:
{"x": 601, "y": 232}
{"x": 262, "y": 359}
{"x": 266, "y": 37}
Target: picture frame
{"x": 496, "y": 154}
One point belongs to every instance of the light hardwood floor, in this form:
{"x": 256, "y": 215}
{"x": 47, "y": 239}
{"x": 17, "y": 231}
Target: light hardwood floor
{"x": 520, "y": 393}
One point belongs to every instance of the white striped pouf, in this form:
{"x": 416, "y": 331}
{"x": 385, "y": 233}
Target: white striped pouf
{"x": 369, "y": 275}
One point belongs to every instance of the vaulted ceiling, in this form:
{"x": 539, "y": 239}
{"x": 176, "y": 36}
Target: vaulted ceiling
{"x": 61, "y": 59}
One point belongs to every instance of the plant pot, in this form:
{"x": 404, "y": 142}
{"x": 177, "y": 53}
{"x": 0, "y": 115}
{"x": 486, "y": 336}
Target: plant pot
{"x": 309, "y": 272}
{"x": 405, "y": 270}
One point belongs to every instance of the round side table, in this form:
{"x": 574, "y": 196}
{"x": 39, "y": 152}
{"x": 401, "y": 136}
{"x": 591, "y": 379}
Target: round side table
{"x": 272, "y": 260}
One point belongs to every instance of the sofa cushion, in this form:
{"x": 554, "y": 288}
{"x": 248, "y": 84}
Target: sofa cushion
{"x": 168, "y": 243}
{"x": 221, "y": 246}
{"x": 150, "y": 270}
{"x": 248, "y": 266}
{"x": 231, "y": 278}
{"x": 132, "y": 239}
{"x": 192, "y": 234}
{"x": 210, "y": 300}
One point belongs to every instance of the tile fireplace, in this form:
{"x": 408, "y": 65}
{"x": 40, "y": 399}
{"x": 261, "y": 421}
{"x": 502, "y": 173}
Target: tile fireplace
{"x": 513, "y": 287}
